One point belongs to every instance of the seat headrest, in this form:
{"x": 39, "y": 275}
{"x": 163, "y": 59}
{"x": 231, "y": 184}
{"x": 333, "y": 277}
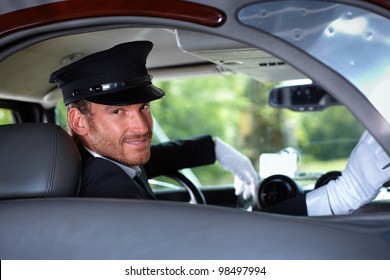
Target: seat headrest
{"x": 38, "y": 160}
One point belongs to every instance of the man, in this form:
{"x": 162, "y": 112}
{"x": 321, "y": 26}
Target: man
{"x": 108, "y": 95}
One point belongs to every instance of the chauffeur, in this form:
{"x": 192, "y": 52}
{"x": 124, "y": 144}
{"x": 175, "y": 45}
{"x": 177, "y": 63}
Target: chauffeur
{"x": 108, "y": 96}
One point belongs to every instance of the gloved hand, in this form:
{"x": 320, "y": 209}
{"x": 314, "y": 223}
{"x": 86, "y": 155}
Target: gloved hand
{"x": 366, "y": 171}
{"x": 246, "y": 178}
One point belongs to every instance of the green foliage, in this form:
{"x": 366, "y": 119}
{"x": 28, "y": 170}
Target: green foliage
{"x": 236, "y": 109}
{"x": 232, "y": 107}
{"x": 200, "y": 106}
{"x": 310, "y": 166}
{"x": 327, "y": 135}
{"x": 6, "y": 116}
{"x": 61, "y": 115}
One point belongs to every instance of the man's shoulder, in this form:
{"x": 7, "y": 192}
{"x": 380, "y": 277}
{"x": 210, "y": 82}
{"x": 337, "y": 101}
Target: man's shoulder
{"x": 101, "y": 165}
{"x": 103, "y": 178}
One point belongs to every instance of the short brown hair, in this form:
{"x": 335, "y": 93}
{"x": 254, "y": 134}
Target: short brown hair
{"x": 84, "y": 106}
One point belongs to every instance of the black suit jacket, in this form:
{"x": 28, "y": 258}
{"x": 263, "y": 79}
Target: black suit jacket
{"x": 103, "y": 178}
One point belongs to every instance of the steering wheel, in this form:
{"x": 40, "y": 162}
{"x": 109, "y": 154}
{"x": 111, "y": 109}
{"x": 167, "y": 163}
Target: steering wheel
{"x": 195, "y": 193}
{"x": 326, "y": 178}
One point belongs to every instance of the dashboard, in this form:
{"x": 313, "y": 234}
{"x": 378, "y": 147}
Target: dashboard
{"x": 278, "y": 188}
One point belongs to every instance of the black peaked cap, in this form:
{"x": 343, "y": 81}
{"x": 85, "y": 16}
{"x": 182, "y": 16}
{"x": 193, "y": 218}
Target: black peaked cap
{"x": 117, "y": 76}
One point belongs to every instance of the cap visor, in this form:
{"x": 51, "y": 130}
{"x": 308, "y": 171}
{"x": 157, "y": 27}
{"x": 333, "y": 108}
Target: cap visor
{"x": 130, "y": 96}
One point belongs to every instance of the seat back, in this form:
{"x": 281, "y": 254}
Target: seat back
{"x": 38, "y": 160}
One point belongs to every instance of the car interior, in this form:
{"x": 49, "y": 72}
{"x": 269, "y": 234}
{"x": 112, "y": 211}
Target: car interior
{"x": 41, "y": 215}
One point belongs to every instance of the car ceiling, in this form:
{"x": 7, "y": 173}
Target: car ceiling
{"x": 24, "y": 75}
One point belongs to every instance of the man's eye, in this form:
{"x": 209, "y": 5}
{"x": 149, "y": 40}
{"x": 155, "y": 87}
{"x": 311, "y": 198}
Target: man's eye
{"x": 145, "y": 107}
{"x": 116, "y": 112}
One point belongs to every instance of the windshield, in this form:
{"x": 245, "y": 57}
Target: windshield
{"x": 350, "y": 35}
{"x": 235, "y": 108}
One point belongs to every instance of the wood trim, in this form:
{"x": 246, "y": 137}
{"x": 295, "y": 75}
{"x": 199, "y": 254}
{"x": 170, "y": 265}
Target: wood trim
{"x": 76, "y": 9}
{"x": 383, "y": 3}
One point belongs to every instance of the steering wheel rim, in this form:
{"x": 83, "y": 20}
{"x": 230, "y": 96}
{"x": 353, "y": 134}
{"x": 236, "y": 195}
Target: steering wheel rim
{"x": 326, "y": 178}
{"x": 196, "y": 195}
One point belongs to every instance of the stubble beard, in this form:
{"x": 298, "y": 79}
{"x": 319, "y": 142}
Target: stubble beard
{"x": 114, "y": 149}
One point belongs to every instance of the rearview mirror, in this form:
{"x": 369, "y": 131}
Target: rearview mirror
{"x": 309, "y": 97}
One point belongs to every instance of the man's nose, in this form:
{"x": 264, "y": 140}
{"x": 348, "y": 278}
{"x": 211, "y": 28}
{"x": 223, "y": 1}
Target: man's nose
{"x": 139, "y": 124}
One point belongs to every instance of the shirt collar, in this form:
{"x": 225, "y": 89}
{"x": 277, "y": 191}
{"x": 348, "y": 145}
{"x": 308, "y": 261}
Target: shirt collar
{"x": 131, "y": 171}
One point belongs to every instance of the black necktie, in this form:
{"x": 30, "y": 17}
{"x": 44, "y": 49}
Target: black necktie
{"x": 143, "y": 188}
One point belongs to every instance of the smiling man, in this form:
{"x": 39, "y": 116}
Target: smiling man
{"x": 108, "y": 96}
{"x": 122, "y": 133}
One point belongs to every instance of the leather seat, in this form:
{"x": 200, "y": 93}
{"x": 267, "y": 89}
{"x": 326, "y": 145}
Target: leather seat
{"x": 38, "y": 160}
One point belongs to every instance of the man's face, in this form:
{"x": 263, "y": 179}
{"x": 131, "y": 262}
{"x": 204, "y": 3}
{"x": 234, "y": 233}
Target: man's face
{"x": 122, "y": 133}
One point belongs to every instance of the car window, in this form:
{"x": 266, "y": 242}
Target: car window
{"x": 6, "y": 116}
{"x": 60, "y": 114}
{"x": 235, "y": 108}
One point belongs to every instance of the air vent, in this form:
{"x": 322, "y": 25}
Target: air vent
{"x": 277, "y": 188}
{"x": 272, "y": 64}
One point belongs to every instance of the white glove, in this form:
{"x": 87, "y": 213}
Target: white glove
{"x": 366, "y": 171}
{"x": 246, "y": 178}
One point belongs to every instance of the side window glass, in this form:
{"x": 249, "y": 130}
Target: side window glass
{"x": 61, "y": 117}
{"x": 6, "y": 116}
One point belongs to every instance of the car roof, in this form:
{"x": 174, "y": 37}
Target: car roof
{"x": 176, "y": 53}
{"x": 42, "y": 36}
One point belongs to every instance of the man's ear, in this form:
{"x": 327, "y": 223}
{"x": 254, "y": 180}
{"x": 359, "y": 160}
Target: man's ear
{"x": 78, "y": 121}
